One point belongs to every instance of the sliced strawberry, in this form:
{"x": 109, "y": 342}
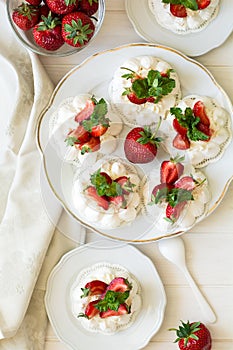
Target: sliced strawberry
{"x": 134, "y": 99}
{"x": 181, "y": 142}
{"x": 90, "y": 310}
{"x": 119, "y": 284}
{"x": 79, "y": 135}
{"x": 178, "y": 10}
{"x": 160, "y": 187}
{"x": 123, "y": 181}
{"x": 118, "y": 201}
{"x": 122, "y": 310}
{"x": 186, "y": 183}
{"x": 150, "y": 99}
{"x": 202, "y": 4}
{"x": 199, "y": 111}
{"x": 205, "y": 129}
{"x": 180, "y": 129}
{"x": 86, "y": 112}
{"x": 94, "y": 287}
{"x": 173, "y": 213}
{"x": 171, "y": 170}
{"x": 107, "y": 177}
{"x": 100, "y": 200}
{"x": 98, "y": 130}
{"x": 92, "y": 145}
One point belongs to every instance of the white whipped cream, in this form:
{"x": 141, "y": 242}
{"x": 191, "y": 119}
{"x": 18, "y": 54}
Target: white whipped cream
{"x": 202, "y": 153}
{"x": 112, "y": 217}
{"x": 193, "y": 211}
{"x": 62, "y": 120}
{"x": 194, "y": 22}
{"x": 147, "y": 113}
{"x": 105, "y": 272}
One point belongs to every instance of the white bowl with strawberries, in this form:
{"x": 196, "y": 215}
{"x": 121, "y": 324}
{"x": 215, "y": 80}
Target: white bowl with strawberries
{"x": 55, "y": 27}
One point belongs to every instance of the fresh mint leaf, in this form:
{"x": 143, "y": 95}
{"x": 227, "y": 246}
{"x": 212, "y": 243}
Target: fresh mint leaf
{"x": 71, "y": 140}
{"x": 140, "y": 87}
{"x": 178, "y": 195}
{"x": 112, "y": 300}
{"x": 191, "y": 4}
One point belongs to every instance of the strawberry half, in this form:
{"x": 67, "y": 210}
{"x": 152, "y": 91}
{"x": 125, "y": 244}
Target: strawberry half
{"x": 132, "y": 97}
{"x": 118, "y": 201}
{"x": 77, "y": 29}
{"x": 86, "y": 112}
{"x": 123, "y": 309}
{"x": 94, "y": 287}
{"x": 78, "y": 136}
{"x": 90, "y": 310}
{"x": 178, "y": 10}
{"x": 171, "y": 170}
{"x": 92, "y": 145}
{"x": 100, "y": 200}
{"x": 181, "y": 142}
{"x": 173, "y": 213}
{"x": 62, "y": 7}
{"x": 199, "y": 111}
{"x": 202, "y": 4}
{"x": 180, "y": 129}
{"x": 47, "y": 33}
{"x": 141, "y": 145}
{"x": 119, "y": 284}
{"x": 186, "y": 183}
{"x": 98, "y": 130}
{"x": 26, "y": 16}
{"x": 89, "y": 7}
{"x": 125, "y": 183}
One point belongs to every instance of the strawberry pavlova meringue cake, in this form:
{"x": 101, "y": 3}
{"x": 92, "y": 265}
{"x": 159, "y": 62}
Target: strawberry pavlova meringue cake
{"x": 184, "y": 16}
{"x": 108, "y": 193}
{"x": 143, "y": 89}
{"x": 105, "y": 298}
{"x": 84, "y": 124}
{"x": 200, "y": 128}
{"x": 177, "y": 195}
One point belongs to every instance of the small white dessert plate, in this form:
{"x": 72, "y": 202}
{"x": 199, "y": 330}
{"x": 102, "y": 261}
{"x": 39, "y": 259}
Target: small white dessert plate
{"x": 193, "y": 44}
{"x": 60, "y": 174}
{"x": 58, "y": 301}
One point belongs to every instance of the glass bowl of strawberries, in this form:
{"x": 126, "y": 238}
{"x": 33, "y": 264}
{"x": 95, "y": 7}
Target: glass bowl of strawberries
{"x": 55, "y": 27}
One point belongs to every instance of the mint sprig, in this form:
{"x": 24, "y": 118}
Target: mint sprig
{"x": 172, "y": 196}
{"x": 98, "y": 117}
{"x": 112, "y": 300}
{"x": 189, "y": 121}
{"x": 191, "y": 4}
{"x": 154, "y": 85}
{"x": 104, "y": 188}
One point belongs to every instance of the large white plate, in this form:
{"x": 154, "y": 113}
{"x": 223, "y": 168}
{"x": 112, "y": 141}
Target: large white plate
{"x": 94, "y": 76}
{"x": 57, "y": 299}
{"x": 193, "y": 44}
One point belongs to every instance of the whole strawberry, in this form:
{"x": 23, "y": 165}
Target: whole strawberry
{"x": 47, "y": 33}
{"x": 141, "y": 145}
{"x": 62, "y": 7}
{"x": 34, "y": 2}
{"x": 89, "y": 7}
{"x": 26, "y": 16}
{"x": 77, "y": 29}
{"x": 193, "y": 336}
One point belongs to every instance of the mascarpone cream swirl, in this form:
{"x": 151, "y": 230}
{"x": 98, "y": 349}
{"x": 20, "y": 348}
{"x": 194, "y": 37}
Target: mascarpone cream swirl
{"x": 193, "y": 211}
{"x": 149, "y": 112}
{"x": 202, "y": 153}
{"x": 105, "y": 272}
{"x": 114, "y": 216}
{"x": 62, "y": 121}
{"x": 194, "y": 22}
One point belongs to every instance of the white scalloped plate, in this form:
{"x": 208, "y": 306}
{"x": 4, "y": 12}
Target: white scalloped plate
{"x": 193, "y": 44}
{"x": 93, "y": 76}
{"x": 58, "y": 305}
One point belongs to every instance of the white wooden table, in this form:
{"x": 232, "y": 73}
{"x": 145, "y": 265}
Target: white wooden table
{"x": 210, "y": 244}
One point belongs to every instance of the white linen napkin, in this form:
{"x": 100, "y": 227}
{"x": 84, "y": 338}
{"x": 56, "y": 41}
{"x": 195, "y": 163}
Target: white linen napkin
{"x": 26, "y": 227}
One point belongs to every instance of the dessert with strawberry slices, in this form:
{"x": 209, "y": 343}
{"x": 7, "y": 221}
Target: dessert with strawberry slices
{"x": 108, "y": 194}
{"x": 177, "y": 195}
{"x": 184, "y": 16}
{"x": 200, "y": 128}
{"x": 143, "y": 89}
{"x": 105, "y": 298}
{"x": 86, "y": 124}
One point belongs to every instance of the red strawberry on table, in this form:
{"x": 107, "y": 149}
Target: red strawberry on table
{"x": 26, "y": 16}
{"x": 171, "y": 170}
{"x": 62, "y": 7}
{"x": 47, "y": 33}
{"x": 122, "y": 310}
{"x": 77, "y": 29}
{"x": 141, "y": 145}
{"x": 193, "y": 336}
{"x": 89, "y": 7}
